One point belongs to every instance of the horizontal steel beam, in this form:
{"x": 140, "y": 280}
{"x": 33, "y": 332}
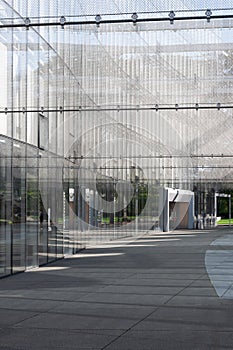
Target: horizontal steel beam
{"x": 155, "y": 107}
{"x": 28, "y": 23}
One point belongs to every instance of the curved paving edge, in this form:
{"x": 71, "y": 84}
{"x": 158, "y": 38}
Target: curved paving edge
{"x": 219, "y": 266}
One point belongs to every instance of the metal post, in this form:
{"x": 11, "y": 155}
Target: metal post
{"x": 136, "y": 207}
{"x": 229, "y": 210}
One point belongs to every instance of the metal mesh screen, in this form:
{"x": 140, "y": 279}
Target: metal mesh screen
{"x": 99, "y": 116}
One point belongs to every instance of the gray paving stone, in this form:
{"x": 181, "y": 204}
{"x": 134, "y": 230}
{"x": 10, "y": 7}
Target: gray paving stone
{"x": 186, "y": 276}
{"x": 92, "y": 308}
{"x": 45, "y": 294}
{"x": 167, "y": 340}
{"x": 13, "y": 317}
{"x": 153, "y": 282}
{"x": 194, "y": 300}
{"x": 27, "y": 304}
{"x": 53, "y": 339}
{"x": 188, "y": 318}
{"x": 84, "y": 321}
{"x": 131, "y": 299}
{"x": 154, "y": 296}
{"x": 198, "y": 291}
{"x": 152, "y": 290}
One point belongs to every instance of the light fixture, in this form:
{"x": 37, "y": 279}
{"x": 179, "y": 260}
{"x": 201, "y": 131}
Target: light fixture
{"x": 196, "y": 106}
{"x": 176, "y": 106}
{"x": 62, "y": 21}
{"x": 134, "y": 18}
{"x": 27, "y": 22}
{"x": 156, "y": 107}
{"x": 208, "y": 14}
{"x": 171, "y": 16}
{"x": 98, "y": 20}
{"x": 218, "y": 106}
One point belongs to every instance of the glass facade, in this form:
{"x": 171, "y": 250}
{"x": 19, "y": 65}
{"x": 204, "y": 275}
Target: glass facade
{"x": 101, "y": 107}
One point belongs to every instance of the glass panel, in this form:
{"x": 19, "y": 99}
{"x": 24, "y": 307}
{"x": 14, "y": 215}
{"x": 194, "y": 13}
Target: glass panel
{"x": 52, "y": 208}
{"x": 43, "y": 209}
{"x": 19, "y": 207}
{"x": 3, "y": 79}
{"x": 5, "y": 205}
{"x": 32, "y": 219}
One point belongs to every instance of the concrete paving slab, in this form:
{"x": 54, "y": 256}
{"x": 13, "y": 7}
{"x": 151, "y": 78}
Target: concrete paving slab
{"x": 163, "y": 274}
{"x": 53, "y": 339}
{"x": 198, "y": 291}
{"x": 45, "y": 294}
{"x": 168, "y": 340}
{"x": 13, "y": 317}
{"x": 131, "y": 299}
{"x": 202, "y": 282}
{"x": 146, "y": 296}
{"x": 151, "y": 290}
{"x": 153, "y": 282}
{"x": 78, "y": 307}
{"x": 25, "y": 304}
{"x": 195, "y": 318}
{"x": 193, "y": 300}
{"x": 84, "y": 321}
{"x": 215, "y": 338}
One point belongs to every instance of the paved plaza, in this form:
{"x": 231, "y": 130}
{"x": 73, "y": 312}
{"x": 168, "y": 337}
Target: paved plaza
{"x": 158, "y": 291}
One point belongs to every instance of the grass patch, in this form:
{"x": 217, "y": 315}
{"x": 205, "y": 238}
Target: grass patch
{"x": 225, "y": 222}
